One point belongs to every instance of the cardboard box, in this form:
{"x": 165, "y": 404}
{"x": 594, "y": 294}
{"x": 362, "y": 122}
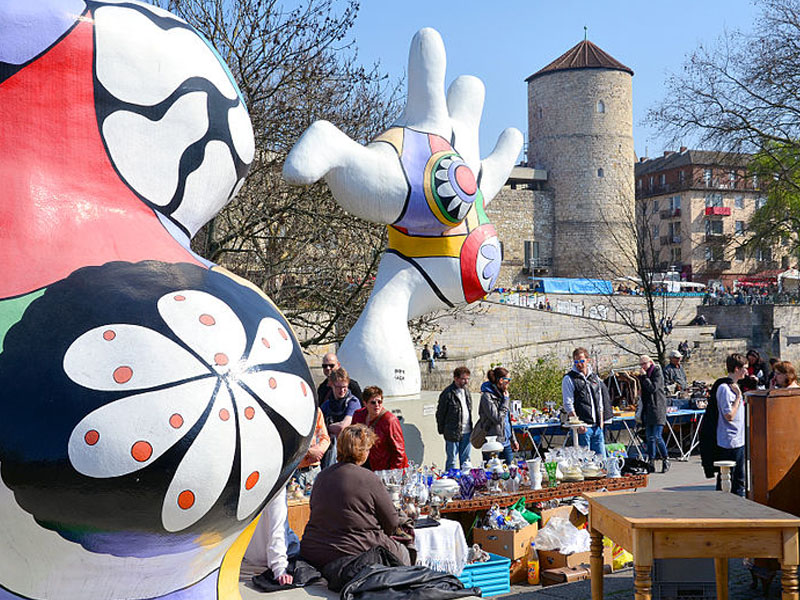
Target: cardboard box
{"x": 566, "y": 574}
{"x": 565, "y": 512}
{"x": 553, "y": 559}
{"x": 519, "y": 570}
{"x": 563, "y": 575}
{"x": 507, "y": 543}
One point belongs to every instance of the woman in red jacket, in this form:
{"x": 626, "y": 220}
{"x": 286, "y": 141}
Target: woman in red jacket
{"x": 389, "y": 451}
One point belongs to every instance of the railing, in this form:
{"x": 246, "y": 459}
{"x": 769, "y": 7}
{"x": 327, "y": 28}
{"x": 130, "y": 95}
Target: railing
{"x": 718, "y": 265}
{"x": 670, "y": 213}
{"x": 670, "y": 239}
{"x": 716, "y": 238}
{"x": 539, "y": 263}
{"x": 718, "y": 211}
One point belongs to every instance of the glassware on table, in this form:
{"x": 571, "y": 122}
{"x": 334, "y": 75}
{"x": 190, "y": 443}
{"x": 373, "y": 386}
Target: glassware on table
{"x": 551, "y": 467}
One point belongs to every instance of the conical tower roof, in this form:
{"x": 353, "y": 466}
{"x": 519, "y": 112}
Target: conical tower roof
{"x": 584, "y": 55}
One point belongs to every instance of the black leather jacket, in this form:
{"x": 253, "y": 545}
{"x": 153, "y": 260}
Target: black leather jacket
{"x": 448, "y": 413}
{"x": 583, "y": 399}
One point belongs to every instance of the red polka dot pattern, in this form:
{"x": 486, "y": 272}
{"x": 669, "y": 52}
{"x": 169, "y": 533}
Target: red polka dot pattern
{"x": 252, "y": 480}
{"x": 224, "y": 414}
{"x": 176, "y": 421}
{"x": 91, "y": 437}
{"x": 123, "y": 374}
{"x": 186, "y": 499}
{"x": 207, "y": 320}
{"x": 141, "y": 451}
{"x": 109, "y": 335}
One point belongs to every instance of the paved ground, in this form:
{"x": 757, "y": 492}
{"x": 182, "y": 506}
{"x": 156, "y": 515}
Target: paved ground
{"x": 618, "y": 586}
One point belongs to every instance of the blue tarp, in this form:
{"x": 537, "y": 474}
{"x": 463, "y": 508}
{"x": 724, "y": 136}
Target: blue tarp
{"x": 563, "y": 285}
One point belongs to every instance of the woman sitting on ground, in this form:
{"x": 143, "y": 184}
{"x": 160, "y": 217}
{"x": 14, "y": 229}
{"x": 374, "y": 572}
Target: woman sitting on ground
{"x": 351, "y": 511}
{"x": 785, "y": 375}
{"x": 389, "y": 450}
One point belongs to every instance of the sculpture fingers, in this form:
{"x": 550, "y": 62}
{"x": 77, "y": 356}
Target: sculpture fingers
{"x": 496, "y": 167}
{"x": 426, "y": 108}
{"x": 366, "y": 181}
{"x": 465, "y": 104}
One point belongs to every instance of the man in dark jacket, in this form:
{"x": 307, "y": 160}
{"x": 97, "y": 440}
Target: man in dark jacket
{"x": 586, "y": 397}
{"x": 330, "y": 362}
{"x": 454, "y": 418}
{"x": 654, "y": 411}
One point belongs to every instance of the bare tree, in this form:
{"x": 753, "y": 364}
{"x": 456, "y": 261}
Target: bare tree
{"x": 294, "y": 66}
{"x": 637, "y": 262}
{"x": 741, "y": 95}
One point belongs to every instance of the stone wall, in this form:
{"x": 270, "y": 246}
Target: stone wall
{"x": 773, "y": 329}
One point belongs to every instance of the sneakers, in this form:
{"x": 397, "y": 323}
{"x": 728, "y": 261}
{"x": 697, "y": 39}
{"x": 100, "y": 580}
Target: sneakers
{"x": 665, "y": 465}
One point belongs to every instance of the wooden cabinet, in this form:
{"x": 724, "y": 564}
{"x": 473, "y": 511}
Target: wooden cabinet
{"x": 774, "y": 441}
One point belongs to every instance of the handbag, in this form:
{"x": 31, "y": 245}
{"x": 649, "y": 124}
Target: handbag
{"x": 478, "y": 436}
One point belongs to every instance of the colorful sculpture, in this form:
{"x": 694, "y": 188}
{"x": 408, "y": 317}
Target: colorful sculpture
{"x": 425, "y": 180}
{"x": 152, "y": 402}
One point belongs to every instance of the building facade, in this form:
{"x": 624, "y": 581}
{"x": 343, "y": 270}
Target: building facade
{"x": 696, "y": 205}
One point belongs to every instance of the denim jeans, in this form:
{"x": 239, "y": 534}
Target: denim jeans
{"x": 655, "y": 441}
{"x": 460, "y": 450}
{"x": 737, "y": 473}
{"x": 595, "y": 438}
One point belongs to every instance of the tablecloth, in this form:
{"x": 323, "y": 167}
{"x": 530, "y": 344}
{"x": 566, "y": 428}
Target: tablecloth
{"x": 442, "y": 548}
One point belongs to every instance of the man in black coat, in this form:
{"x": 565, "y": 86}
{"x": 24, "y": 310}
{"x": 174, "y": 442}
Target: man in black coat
{"x": 454, "y": 419}
{"x": 654, "y": 410}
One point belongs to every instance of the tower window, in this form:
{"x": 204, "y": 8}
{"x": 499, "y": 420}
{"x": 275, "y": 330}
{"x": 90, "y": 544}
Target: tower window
{"x": 600, "y": 172}
{"x": 601, "y": 106}
{"x": 539, "y": 112}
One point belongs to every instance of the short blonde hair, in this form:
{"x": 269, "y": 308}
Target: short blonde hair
{"x": 354, "y": 443}
{"x": 644, "y": 358}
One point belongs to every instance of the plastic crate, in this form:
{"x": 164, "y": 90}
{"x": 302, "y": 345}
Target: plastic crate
{"x": 492, "y": 576}
{"x": 684, "y": 579}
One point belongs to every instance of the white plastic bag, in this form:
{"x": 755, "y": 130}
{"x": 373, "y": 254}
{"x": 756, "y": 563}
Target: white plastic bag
{"x": 559, "y": 534}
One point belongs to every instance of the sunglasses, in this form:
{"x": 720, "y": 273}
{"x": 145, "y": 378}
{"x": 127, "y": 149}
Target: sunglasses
{"x": 375, "y": 402}
{"x": 580, "y": 361}
{"x": 505, "y": 379}
{"x": 328, "y": 365}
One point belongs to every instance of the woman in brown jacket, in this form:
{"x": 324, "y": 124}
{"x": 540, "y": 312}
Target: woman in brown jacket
{"x": 351, "y": 511}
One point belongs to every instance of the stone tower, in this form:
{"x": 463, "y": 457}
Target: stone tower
{"x": 580, "y": 129}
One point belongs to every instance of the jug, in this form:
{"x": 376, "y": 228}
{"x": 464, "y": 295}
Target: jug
{"x": 614, "y": 465}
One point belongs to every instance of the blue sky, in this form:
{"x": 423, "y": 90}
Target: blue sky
{"x": 504, "y": 41}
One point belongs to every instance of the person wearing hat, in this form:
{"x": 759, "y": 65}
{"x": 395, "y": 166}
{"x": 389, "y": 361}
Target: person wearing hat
{"x": 674, "y": 373}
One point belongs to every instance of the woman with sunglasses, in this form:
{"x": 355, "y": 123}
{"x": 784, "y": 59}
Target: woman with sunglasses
{"x": 389, "y": 450}
{"x": 494, "y": 411}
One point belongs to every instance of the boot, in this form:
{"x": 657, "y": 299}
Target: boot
{"x": 651, "y": 466}
{"x": 665, "y": 465}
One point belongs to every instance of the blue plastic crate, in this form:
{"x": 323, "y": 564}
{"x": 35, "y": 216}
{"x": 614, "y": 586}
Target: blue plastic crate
{"x": 492, "y": 576}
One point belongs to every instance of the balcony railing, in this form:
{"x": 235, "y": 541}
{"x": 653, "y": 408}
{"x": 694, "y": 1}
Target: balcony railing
{"x": 670, "y": 239}
{"x": 716, "y": 238}
{"x": 670, "y": 213}
{"x": 718, "y": 265}
{"x": 540, "y": 263}
{"x": 718, "y": 211}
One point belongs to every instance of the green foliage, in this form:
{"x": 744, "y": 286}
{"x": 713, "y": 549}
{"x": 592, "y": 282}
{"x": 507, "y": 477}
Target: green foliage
{"x": 778, "y": 166}
{"x": 537, "y": 381}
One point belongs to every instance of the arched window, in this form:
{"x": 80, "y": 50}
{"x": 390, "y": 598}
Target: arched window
{"x": 600, "y": 173}
{"x": 540, "y": 112}
{"x": 601, "y": 106}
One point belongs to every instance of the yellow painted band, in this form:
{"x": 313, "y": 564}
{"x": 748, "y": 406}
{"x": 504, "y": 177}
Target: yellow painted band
{"x": 228, "y": 582}
{"x": 419, "y": 247}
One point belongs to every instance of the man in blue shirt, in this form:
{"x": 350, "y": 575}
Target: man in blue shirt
{"x": 338, "y": 410}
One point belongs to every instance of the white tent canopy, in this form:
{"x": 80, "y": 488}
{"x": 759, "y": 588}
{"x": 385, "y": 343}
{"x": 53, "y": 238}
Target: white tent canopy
{"x": 789, "y": 280}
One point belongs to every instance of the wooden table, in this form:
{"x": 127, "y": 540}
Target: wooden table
{"x": 715, "y": 525}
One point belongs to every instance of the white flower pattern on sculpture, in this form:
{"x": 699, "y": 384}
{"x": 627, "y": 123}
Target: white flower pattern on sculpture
{"x": 212, "y": 376}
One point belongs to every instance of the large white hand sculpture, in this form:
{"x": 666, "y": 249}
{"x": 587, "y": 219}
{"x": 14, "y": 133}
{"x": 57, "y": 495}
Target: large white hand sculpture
{"x": 419, "y": 178}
